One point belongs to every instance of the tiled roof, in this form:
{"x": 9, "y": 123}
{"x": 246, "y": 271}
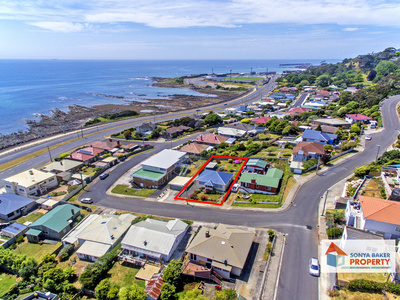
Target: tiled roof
{"x": 173, "y": 130}
{"x": 194, "y": 147}
{"x": 211, "y": 138}
{"x": 308, "y": 147}
{"x": 358, "y": 117}
{"x": 261, "y": 120}
{"x": 240, "y": 126}
{"x": 105, "y": 145}
{"x": 380, "y": 210}
{"x": 298, "y": 110}
{"x": 81, "y": 156}
{"x": 91, "y": 150}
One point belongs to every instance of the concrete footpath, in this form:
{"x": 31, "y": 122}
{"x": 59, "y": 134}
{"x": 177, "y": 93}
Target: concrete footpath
{"x": 270, "y": 280}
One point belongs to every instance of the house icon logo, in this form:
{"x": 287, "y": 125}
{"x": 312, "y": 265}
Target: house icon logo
{"x": 335, "y": 256}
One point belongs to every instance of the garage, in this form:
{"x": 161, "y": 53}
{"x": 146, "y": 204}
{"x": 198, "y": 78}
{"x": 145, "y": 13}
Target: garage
{"x": 178, "y": 183}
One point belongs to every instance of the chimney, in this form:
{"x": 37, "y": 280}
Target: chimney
{"x": 110, "y": 140}
{"x": 72, "y": 211}
{"x": 30, "y": 172}
{"x": 118, "y": 143}
{"x": 253, "y": 180}
{"x": 207, "y": 234}
{"x": 145, "y": 243}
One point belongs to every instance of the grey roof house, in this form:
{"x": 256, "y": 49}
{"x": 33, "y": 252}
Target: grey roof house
{"x": 13, "y": 206}
{"x": 152, "y": 239}
{"x": 98, "y": 234}
{"x": 223, "y": 250}
{"x": 319, "y": 137}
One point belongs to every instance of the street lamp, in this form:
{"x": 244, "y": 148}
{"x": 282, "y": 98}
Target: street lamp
{"x": 326, "y": 196}
{"x": 377, "y": 153}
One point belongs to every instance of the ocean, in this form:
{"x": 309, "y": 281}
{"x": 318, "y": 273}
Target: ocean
{"x": 32, "y": 87}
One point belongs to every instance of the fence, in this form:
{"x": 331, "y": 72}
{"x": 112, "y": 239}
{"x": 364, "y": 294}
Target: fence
{"x": 332, "y": 158}
{"x": 386, "y": 184}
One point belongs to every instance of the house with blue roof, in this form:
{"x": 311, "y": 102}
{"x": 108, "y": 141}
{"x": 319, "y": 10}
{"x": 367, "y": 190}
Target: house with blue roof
{"x": 13, "y": 206}
{"x": 214, "y": 180}
{"x": 319, "y": 137}
{"x": 14, "y": 230}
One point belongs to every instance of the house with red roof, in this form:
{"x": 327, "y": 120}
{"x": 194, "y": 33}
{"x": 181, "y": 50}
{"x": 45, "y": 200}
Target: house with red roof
{"x": 298, "y": 110}
{"x": 83, "y": 157}
{"x": 211, "y": 139}
{"x": 375, "y": 215}
{"x": 355, "y": 118}
{"x": 303, "y": 152}
{"x": 153, "y": 287}
{"x": 106, "y": 145}
{"x": 92, "y": 151}
{"x": 261, "y": 120}
{"x": 194, "y": 148}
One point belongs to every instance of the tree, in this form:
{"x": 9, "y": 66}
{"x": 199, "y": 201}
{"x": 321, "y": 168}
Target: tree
{"x": 304, "y": 83}
{"x": 102, "y": 289}
{"x": 371, "y": 76}
{"x": 69, "y": 274}
{"x": 226, "y": 294}
{"x": 328, "y": 148}
{"x": 132, "y": 292}
{"x": 355, "y": 129}
{"x": 385, "y": 67}
{"x": 195, "y": 294}
{"x": 168, "y": 292}
{"x": 323, "y": 80}
{"x": 172, "y": 273}
{"x": 113, "y": 293}
{"x": 127, "y": 134}
{"x": 212, "y": 119}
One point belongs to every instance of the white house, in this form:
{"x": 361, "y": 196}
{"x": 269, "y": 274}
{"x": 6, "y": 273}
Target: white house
{"x": 152, "y": 239}
{"x": 30, "y": 182}
{"x": 375, "y": 215}
{"x": 98, "y": 234}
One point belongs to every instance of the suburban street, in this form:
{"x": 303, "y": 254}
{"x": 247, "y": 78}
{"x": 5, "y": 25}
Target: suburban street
{"x": 300, "y": 100}
{"x": 298, "y": 222}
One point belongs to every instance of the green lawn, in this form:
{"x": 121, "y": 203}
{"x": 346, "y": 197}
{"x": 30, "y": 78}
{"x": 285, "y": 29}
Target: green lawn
{"x": 6, "y": 281}
{"x": 123, "y": 275}
{"x": 32, "y": 217}
{"x": 89, "y": 172}
{"x": 126, "y": 190}
{"x": 36, "y": 251}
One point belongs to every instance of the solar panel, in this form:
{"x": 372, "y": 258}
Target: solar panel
{"x": 85, "y": 152}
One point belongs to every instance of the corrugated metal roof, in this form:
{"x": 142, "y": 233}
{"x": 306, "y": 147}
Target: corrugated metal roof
{"x": 154, "y": 235}
{"x": 57, "y": 218}
{"x": 225, "y": 243}
{"x": 165, "y": 159}
{"x": 10, "y": 202}
{"x": 93, "y": 249}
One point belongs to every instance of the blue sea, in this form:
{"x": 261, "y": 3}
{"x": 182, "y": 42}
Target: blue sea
{"x": 32, "y": 87}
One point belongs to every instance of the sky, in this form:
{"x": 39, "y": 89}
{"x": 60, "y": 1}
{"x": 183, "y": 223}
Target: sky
{"x": 197, "y": 29}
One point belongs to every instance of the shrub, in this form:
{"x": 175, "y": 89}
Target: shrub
{"x": 334, "y": 232}
{"x": 366, "y": 286}
{"x": 65, "y": 252}
{"x": 204, "y": 198}
{"x": 271, "y": 235}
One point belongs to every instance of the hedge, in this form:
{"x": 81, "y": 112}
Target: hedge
{"x": 370, "y": 286}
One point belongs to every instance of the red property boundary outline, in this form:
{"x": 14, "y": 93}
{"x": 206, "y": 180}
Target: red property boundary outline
{"x": 198, "y": 172}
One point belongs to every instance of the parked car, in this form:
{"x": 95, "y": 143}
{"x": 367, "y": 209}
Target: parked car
{"x": 313, "y": 267}
{"x": 87, "y": 200}
{"x": 103, "y": 176}
{"x": 368, "y": 137}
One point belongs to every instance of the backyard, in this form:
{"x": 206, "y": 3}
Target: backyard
{"x": 6, "y": 281}
{"x": 126, "y": 190}
{"x": 32, "y": 217}
{"x": 124, "y": 275}
{"x": 36, "y": 251}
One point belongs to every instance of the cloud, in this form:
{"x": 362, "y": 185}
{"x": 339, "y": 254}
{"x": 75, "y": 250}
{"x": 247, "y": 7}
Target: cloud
{"x": 351, "y": 29}
{"x": 60, "y": 26}
{"x": 202, "y": 13}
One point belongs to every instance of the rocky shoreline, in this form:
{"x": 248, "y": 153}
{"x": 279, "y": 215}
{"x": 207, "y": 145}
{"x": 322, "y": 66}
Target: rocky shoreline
{"x": 77, "y": 115}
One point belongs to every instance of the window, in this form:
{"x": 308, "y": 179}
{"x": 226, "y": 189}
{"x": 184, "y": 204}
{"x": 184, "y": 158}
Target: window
{"x": 8, "y": 186}
{"x": 397, "y": 228}
{"x": 193, "y": 256}
{"x": 51, "y": 179}
{"x": 21, "y": 190}
{"x": 209, "y": 260}
{"x": 32, "y": 188}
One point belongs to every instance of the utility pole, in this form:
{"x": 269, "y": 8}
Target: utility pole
{"x": 377, "y": 154}
{"x": 317, "y": 166}
{"x": 82, "y": 131}
{"x": 48, "y": 149}
{"x": 82, "y": 180}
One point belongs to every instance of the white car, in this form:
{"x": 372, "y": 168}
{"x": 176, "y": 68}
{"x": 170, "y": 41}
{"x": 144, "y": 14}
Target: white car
{"x": 313, "y": 267}
{"x": 368, "y": 137}
{"x": 87, "y": 200}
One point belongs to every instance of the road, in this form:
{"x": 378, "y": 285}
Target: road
{"x": 300, "y": 100}
{"x": 298, "y": 222}
{"x": 98, "y": 132}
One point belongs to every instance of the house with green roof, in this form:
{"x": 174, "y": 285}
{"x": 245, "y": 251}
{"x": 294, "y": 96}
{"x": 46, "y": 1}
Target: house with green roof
{"x": 256, "y": 165}
{"x": 53, "y": 225}
{"x": 267, "y": 183}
